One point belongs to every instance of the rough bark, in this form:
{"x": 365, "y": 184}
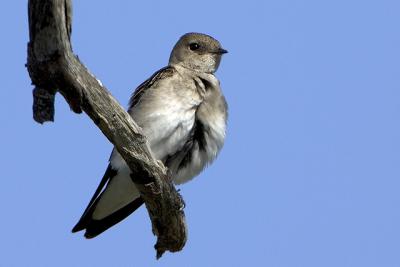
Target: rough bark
{"x": 54, "y": 68}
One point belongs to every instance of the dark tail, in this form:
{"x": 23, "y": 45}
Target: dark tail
{"x": 96, "y": 227}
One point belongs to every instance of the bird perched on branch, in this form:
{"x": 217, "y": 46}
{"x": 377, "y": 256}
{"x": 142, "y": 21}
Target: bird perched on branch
{"x": 183, "y": 114}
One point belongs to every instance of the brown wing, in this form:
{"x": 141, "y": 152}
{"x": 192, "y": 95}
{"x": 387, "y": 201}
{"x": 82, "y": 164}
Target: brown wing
{"x": 160, "y": 74}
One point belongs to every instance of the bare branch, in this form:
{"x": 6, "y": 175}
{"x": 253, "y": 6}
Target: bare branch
{"x": 54, "y": 68}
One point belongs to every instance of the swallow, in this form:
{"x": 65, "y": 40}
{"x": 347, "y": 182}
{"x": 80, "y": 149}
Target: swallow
{"x": 183, "y": 113}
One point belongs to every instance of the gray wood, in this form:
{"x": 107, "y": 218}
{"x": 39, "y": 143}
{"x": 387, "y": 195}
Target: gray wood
{"x": 54, "y": 68}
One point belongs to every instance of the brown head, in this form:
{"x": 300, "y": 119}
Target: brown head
{"x": 198, "y": 52}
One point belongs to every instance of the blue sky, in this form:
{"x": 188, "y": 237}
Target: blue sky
{"x": 310, "y": 172}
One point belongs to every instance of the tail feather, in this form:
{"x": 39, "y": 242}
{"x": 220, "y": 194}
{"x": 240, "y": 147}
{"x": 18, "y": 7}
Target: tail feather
{"x": 96, "y": 227}
{"x": 110, "y": 172}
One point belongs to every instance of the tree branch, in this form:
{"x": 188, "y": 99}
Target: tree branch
{"x": 54, "y": 68}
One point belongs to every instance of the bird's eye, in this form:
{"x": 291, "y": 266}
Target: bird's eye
{"x": 194, "y": 46}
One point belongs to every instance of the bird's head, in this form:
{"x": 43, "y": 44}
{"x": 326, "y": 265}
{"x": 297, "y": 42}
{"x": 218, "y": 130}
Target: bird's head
{"x": 198, "y": 52}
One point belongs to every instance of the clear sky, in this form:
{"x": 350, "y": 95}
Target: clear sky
{"x": 310, "y": 172}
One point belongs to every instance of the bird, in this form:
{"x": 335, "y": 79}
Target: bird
{"x": 183, "y": 113}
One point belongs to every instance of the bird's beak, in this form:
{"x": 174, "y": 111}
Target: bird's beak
{"x": 221, "y": 51}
